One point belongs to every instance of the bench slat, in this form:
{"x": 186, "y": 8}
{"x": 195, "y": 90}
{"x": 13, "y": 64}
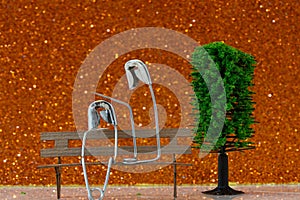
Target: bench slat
{"x": 107, "y": 133}
{"x": 105, "y": 163}
{"x": 108, "y": 151}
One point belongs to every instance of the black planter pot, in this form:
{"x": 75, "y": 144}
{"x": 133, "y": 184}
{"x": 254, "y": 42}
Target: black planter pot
{"x": 223, "y": 187}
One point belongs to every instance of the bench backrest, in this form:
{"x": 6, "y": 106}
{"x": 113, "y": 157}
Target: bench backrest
{"x": 179, "y": 142}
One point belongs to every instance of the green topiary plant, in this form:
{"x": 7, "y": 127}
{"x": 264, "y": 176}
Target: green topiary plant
{"x": 236, "y": 71}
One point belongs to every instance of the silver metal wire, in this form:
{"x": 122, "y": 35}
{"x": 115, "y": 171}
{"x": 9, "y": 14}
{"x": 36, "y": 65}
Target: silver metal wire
{"x": 135, "y": 70}
{"x": 131, "y": 120}
{"x": 156, "y": 134}
{"x": 92, "y": 126}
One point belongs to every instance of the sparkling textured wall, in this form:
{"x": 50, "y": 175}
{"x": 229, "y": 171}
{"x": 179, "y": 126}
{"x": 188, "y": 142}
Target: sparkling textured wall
{"x": 43, "y": 44}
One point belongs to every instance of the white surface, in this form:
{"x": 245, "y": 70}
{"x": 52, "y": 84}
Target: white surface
{"x": 262, "y": 192}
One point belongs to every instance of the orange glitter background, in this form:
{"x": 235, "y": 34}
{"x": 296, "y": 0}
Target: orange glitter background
{"x": 43, "y": 44}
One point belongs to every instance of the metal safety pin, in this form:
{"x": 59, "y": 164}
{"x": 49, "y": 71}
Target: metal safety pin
{"x": 135, "y": 70}
{"x": 93, "y": 122}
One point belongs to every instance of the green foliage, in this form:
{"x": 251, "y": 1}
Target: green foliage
{"x": 236, "y": 71}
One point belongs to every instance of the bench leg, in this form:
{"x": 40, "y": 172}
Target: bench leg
{"x": 175, "y": 176}
{"x": 58, "y": 178}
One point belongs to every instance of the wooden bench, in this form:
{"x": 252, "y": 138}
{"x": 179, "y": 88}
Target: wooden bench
{"x": 62, "y": 148}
